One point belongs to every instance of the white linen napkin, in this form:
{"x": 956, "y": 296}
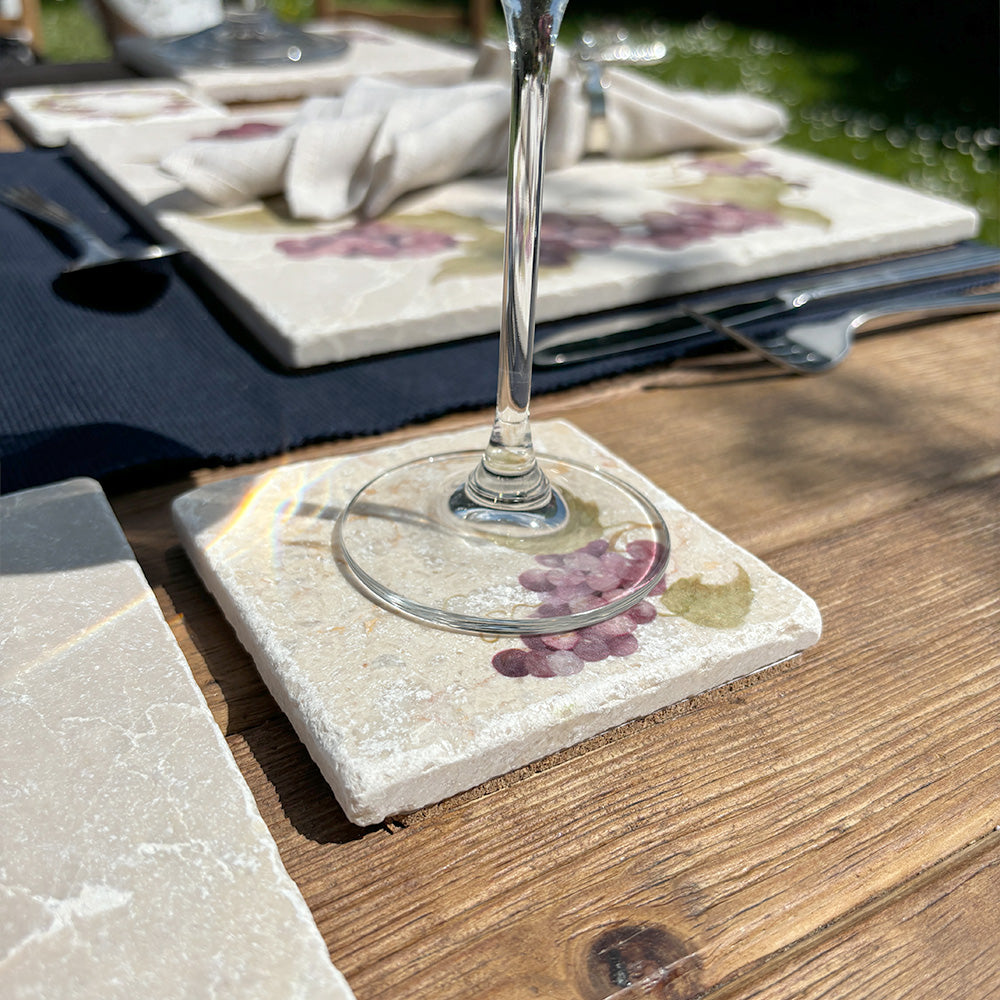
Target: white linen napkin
{"x": 644, "y": 118}
{"x": 360, "y": 152}
{"x": 356, "y": 153}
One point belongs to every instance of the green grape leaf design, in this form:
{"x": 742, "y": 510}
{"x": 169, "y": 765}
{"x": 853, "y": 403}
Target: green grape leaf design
{"x": 722, "y": 605}
{"x": 452, "y": 223}
{"x": 482, "y": 244}
{"x": 271, "y": 215}
{"x": 480, "y": 258}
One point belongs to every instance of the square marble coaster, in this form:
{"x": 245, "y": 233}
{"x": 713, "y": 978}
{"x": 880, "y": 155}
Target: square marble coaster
{"x": 53, "y": 115}
{"x": 134, "y": 860}
{"x": 398, "y": 715}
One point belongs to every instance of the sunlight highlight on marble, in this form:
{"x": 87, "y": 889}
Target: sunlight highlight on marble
{"x": 134, "y": 860}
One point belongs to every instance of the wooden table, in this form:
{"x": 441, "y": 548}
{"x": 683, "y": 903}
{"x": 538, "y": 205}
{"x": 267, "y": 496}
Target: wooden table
{"x": 827, "y": 828}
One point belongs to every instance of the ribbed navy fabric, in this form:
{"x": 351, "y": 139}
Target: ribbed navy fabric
{"x": 88, "y": 390}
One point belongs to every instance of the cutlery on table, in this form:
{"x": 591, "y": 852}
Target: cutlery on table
{"x": 622, "y": 331}
{"x": 94, "y": 257}
{"x": 809, "y": 348}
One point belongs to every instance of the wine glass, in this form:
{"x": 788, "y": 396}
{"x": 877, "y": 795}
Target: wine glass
{"x": 505, "y": 540}
{"x": 249, "y": 35}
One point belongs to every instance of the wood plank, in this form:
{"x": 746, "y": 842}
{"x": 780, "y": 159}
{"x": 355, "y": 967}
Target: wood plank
{"x": 907, "y": 414}
{"x": 933, "y": 938}
{"x": 10, "y": 141}
{"x": 724, "y": 830}
{"x": 708, "y": 839}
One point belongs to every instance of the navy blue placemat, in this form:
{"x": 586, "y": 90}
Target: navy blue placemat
{"x": 87, "y": 390}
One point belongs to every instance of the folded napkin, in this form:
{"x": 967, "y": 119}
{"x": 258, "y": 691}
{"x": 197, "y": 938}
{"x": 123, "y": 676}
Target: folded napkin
{"x": 360, "y": 152}
{"x": 164, "y": 20}
{"x": 642, "y": 117}
{"x": 355, "y": 153}
{"x": 645, "y": 119}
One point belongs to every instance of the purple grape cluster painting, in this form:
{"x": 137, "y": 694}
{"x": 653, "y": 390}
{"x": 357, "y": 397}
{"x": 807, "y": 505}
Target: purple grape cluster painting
{"x": 729, "y": 194}
{"x": 369, "y": 239}
{"x": 589, "y": 577}
{"x": 597, "y": 573}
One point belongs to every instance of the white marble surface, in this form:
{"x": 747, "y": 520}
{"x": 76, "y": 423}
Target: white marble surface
{"x": 398, "y": 715}
{"x": 53, "y": 115}
{"x": 134, "y": 862}
{"x": 429, "y": 270}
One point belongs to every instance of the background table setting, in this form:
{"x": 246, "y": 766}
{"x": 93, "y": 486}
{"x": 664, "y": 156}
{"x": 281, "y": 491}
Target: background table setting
{"x": 775, "y": 778}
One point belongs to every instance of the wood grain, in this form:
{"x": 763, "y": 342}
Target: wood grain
{"x": 765, "y": 839}
{"x": 10, "y": 142}
{"x": 731, "y": 829}
{"x": 934, "y": 936}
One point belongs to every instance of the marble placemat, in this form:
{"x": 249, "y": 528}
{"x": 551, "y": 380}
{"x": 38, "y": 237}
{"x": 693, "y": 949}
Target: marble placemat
{"x": 134, "y": 860}
{"x": 429, "y": 270}
{"x": 398, "y": 715}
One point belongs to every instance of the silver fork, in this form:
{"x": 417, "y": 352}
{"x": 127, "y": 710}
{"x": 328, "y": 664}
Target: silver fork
{"x": 92, "y": 252}
{"x": 809, "y": 348}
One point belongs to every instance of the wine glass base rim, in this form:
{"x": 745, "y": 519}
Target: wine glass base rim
{"x": 405, "y": 596}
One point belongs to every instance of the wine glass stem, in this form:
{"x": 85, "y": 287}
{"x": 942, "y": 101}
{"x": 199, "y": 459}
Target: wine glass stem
{"x": 508, "y": 474}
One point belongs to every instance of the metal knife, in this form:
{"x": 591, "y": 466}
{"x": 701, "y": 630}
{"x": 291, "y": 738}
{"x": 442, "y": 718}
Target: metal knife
{"x": 621, "y": 331}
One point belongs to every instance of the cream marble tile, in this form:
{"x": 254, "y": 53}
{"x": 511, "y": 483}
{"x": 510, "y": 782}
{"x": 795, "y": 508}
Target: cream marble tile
{"x": 618, "y": 233}
{"x": 53, "y": 115}
{"x": 398, "y": 715}
{"x": 134, "y": 862}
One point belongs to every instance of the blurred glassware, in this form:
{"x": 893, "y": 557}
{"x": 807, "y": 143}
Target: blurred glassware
{"x": 20, "y": 32}
{"x": 250, "y": 35}
{"x": 614, "y": 45}
{"x": 15, "y": 52}
{"x": 204, "y": 33}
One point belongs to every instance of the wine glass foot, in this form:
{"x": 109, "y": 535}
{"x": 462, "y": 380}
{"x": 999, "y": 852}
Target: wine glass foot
{"x": 510, "y": 521}
{"x": 252, "y": 38}
{"x": 514, "y": 508}
{"x": 521, "y": 543}
{"x": 415, "y": 542}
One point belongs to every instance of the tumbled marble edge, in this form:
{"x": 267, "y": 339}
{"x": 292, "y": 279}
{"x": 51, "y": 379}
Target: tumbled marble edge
{"x": 173, "y": 659}
{"x": 365, "y": 805}
{"x": 334, "y": 771}
{"x": 426, "y": 789}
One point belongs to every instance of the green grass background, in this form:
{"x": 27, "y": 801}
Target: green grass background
{"x": 907, "y": 91}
